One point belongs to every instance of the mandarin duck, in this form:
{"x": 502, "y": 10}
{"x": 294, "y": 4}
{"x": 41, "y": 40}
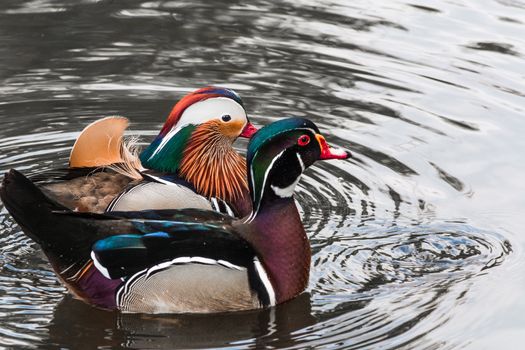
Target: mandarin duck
{"x": 190, "y": 164}
{"x": 181, "y": 261}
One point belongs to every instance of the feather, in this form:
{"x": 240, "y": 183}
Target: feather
{"x": 102, "y": 143}
{"x": 125, "y": 254}
{"x": 99, "y": 143}
{"x": 194, "y": 97}
{"x": 129, "y": 164}
{"x": 212, "y": 165}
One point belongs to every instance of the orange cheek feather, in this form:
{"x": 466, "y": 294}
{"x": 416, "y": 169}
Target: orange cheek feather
{"x": 231, "y": 129}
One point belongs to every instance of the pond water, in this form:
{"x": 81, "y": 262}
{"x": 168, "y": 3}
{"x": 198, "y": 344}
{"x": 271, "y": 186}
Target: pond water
{"x": 418, "y": 240}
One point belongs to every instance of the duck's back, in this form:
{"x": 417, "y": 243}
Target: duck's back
{"x": 83, "y": 189}
{"x": 99, "y": 190}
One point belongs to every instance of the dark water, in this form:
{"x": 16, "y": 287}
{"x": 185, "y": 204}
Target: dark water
{"x": 418, "y": 241}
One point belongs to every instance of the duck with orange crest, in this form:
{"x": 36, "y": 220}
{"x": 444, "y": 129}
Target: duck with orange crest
{"x": 190, "y": 164}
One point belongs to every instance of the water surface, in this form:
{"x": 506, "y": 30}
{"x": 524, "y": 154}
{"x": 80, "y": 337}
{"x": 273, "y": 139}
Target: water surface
{"x": 417, "y": 240}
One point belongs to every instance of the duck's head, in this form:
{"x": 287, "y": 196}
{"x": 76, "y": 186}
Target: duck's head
{"x": 219, "y": 111}
{"x": 279, "y": 153}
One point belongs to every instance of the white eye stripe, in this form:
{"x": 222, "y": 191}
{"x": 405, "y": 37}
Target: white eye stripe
{"x": 210, "y": 109}
{"x": 121, "y": 295}
{"x": 203, "y": 111}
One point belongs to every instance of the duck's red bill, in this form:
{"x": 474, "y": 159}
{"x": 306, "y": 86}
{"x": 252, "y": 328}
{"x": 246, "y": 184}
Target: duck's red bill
{"x": 248, "y": 131}
{"x": 328, "y": 152}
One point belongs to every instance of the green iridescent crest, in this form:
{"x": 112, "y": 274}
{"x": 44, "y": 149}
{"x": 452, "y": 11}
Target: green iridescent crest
{"x": 271, "y": 130}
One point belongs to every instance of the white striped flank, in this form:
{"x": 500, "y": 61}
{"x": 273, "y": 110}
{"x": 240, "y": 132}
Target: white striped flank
{"x": 164, "y": 265}
{"x": 190, "y": 260}
{"x": 230, "y": 265}
{"x": 123, "y": 290}
{"x": 121, "y": 293}
{"x": 265, "y": 280}
{"x": 117, "y": 199}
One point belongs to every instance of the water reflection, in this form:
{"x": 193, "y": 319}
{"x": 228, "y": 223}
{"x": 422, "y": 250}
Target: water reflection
{"x": 256, "y": 328}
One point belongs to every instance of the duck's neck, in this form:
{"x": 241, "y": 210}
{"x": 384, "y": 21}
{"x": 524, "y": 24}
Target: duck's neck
{"x": 211, "y": 164}
{"x": 279, "y": 238}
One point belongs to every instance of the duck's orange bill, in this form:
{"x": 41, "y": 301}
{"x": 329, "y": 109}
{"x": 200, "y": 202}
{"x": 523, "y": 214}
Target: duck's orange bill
{"x": 328, "y": 152}
{"x": 248, "y": 131}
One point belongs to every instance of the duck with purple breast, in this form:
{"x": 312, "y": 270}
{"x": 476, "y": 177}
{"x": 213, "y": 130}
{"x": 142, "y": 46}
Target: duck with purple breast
{"x": 181, "y": 261}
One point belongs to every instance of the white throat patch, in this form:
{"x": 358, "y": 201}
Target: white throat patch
{"x": 288, "y": 191}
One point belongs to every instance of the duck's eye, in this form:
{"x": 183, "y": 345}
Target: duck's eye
{"x": 226, "y": 118}
{"x": 303, "y": 140}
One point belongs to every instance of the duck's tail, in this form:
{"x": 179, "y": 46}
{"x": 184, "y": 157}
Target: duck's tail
{"x": 66, "y": 238}
{"x": 30, "y": 208}
{"x": 102, "y": 144}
